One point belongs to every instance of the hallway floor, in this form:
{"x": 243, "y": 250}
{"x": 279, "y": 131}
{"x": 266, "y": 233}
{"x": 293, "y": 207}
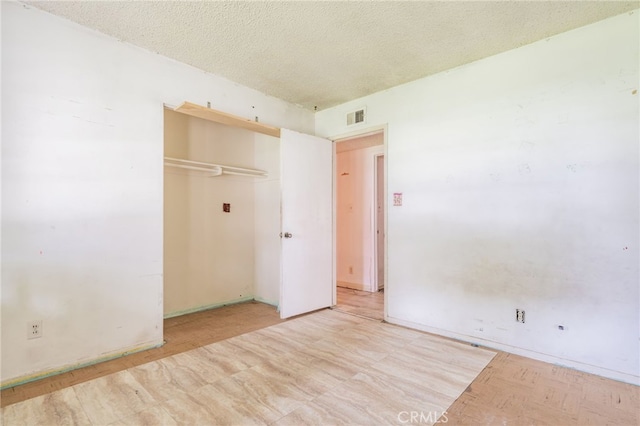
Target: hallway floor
{"x": 363, "y": 303}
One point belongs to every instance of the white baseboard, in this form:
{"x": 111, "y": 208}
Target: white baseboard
{"x": 353, "y": 286}
{"x": 587, "y": 368}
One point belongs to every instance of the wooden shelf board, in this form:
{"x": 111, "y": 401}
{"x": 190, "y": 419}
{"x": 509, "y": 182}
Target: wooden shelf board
{"x": 228, "y": 119}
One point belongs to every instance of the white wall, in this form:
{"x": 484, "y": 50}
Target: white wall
{"x": 520, "y": 182}
{"x": 82, "y": 148}
{"x": 355, "y": 224}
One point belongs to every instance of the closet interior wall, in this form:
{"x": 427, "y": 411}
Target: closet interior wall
{"x": 212, "y": 257}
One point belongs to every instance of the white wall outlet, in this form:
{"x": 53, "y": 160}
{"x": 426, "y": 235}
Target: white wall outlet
{"x": 34, "y": 329}
{"x": 520, "y": 315}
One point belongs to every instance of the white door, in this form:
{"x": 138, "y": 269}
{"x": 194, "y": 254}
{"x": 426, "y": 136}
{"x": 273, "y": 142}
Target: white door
{"x": 307, "y": 234}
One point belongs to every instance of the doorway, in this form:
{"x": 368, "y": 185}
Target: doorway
{"x": 360, "y": 231}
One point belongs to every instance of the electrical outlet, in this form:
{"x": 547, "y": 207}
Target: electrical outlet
{"x": 520, "y": 315}
{"x": 34, "y": 329}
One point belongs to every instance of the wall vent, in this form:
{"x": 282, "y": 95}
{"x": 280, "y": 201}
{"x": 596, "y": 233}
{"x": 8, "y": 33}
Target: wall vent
{"x": 356, "y": 117}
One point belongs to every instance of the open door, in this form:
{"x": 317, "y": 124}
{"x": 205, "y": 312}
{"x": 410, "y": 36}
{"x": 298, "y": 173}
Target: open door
{"x": 307, "y": 212}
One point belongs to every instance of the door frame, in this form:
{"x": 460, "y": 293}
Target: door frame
{"x": 352, "y": 135}
{"x": 376, "y": 225}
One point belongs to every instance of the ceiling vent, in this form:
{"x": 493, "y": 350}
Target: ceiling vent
{"x": 356, "y": 117}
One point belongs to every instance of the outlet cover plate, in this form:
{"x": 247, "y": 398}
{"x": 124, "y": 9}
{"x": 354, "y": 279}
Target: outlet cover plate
{"x": 34, "y": 329}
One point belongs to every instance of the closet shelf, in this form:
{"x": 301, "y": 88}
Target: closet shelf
{"x": 225, "y": 118}
{"x": 214, "y": 169}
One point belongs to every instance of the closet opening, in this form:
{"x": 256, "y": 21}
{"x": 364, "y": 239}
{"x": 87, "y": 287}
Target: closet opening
{"x": 221, "y": 215}
{"x": 247, "y": 214}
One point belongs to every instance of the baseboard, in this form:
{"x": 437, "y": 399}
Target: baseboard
{"x": 207, "y": 307}
{"x": 267, "y": 302}
{"x": 47, "y": 373}
{"x": 353, "y": 286}
{"x": 52, "y": 372}
{"x": 587, "y": 368}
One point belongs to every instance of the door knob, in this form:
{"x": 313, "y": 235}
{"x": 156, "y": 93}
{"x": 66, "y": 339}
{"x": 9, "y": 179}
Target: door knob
{"x": 288, "y": 235}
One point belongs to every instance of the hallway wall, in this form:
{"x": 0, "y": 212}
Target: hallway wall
{"x": 355, "y": 213}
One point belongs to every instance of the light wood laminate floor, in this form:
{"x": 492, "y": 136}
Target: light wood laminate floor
{"x": 181, "y": 334}
{"x": 324, "y": 368}
{"x": 510, "y": 390}
{"x": 520, "y": 391}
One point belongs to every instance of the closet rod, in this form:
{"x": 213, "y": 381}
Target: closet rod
{"x": 216, "y": 172}
{"x": 218, "y": 169}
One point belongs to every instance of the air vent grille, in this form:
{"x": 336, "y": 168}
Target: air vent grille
{"x": 356, "y": 117}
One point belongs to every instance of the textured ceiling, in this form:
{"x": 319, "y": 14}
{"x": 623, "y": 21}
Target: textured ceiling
{"x": 319, "y": 53}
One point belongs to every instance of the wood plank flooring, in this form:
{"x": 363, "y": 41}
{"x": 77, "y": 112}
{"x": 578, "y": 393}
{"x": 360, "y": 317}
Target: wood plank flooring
{"x": 363, "y": 303}
{"x": 510, "y": 390}
{"x": 517, "y": 390}
{"x": 514, "y": 390}
{"x": 327, "y": 367}
{"x": 180, "y": 333}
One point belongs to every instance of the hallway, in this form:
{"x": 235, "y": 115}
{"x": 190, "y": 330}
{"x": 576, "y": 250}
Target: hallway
{"x": 362, "y": 303}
